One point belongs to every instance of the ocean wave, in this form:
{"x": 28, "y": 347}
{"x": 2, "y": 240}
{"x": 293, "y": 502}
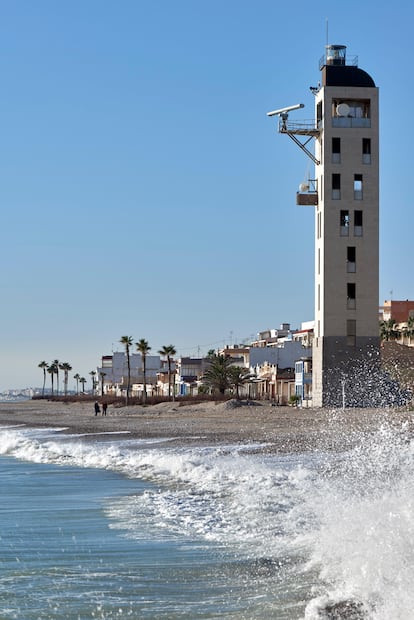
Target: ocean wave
{"x": 333, "y": 530}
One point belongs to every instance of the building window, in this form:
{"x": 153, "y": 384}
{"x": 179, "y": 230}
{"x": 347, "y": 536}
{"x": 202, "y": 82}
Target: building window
{"x": 358, "y": 223}
{"x": 319, "y": 114}
{"x": 336, "y": 150}
{"x": 351, "y": 332}
{"x": 351, "y": 259}
{"x": 351, "y": 113}
{"x": 336, "y": 187}
{"x": 351, "y": 295}
{"x": 357, "y": 186}
{"x": 366, "y": 150}
{"x": 344, "y": 223}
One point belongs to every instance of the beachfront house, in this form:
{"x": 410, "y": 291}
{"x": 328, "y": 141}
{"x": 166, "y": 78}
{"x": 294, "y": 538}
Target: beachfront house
{"x": 113, "y": 373}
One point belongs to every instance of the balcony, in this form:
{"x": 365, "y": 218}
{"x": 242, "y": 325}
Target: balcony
{"x": 307, "y": 199}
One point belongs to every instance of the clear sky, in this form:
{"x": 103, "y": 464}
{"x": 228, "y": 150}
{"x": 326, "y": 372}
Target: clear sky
{"x": 143, "y": 189}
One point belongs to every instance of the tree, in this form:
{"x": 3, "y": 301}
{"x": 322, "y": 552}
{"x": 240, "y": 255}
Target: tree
{"x": 238, "y": 376}
{"x": 77, "y": 377}
{"x": 217, "y": 375}
{"x": 168, "y": 351}
{"x": 388, "y": 330}
{"x": 408, "y": 331}
{"x": 102, "y": 376}
{"x": 66, "y": 367}
{"x": 43, "y": 366}
{"x": 127, "y": 342}
{"x": 144, "y": 348}
{"x": 82, "y": 380}
{"x": 56, "y": 364}
{"x": 52, "y": 370}
{"x": 93, "y": 375}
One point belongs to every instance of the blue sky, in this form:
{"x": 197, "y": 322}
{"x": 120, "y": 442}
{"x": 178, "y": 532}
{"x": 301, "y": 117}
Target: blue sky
{"x": 145, "y": 192}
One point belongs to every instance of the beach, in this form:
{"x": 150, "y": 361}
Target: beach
{"x": 278, "y": 429}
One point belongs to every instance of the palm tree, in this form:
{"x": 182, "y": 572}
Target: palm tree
{"x": 102, "y": 376}
{"x": 93, "y": 374}
{"x": 388, "y": 330}
{"x": 168, "y": 351}
{"x": 77, "y": 377}
{"x": 238, "y": 376}
{"x": 127, "y": 342}
{"x": 52, "y": 370}
{"x": 66, "y": 367}
{"x": 144, "y": 348}
{"x": 43, "y": 366}
{"x": 82, "y": 380}
{"x": 218, "y": 373}
{"x": 408, "y": 330}
{"x": 56, "y": 364}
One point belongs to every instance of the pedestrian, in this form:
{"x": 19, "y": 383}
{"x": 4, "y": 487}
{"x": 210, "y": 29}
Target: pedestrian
{"x": 104, "y": 408}
{"x": 97, "y": 408}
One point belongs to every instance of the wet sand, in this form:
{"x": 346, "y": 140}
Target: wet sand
{"x": 281, "y": 429}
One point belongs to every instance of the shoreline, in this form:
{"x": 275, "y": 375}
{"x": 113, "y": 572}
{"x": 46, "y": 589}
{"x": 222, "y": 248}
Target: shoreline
{"x": 279, "y": 429}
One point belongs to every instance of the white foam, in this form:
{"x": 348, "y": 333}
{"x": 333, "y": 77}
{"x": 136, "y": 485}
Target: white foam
{"x": 363, "y": 542}
{"x": 342, "y": 523}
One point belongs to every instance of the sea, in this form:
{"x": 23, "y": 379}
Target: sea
{"x": 105, "y": 526}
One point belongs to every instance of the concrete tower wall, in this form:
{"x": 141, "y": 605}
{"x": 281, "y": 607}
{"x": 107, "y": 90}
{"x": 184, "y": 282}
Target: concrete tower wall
{"x": 346, "y": 248}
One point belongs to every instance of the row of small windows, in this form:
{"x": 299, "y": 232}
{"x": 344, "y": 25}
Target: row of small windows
{"x": 345, "y": 223}
{"x": 365, "y": 151}
{"x": 336, "y": 187}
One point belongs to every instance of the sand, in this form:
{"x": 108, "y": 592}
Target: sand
{"x": 276, "y": 429}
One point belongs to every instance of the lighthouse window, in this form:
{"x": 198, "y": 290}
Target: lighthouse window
{"x": 351, "y": 259}
{"x": 351, "y": 113}
{"x": 336, "y": 187}
{"x": 336, "y": 150}
{"x": 366, "y": 150}
{"x": 351, "y": 332}
{"x": 358, "y": 223}
{"x": 319, "y": 114}
{"x": 358, "y": 186}
{"x": 344, "y": 223}
{"x": 351, "y": 295}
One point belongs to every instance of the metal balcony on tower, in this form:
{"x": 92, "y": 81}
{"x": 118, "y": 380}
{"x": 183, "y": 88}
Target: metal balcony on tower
{"x": 299, "y": 128}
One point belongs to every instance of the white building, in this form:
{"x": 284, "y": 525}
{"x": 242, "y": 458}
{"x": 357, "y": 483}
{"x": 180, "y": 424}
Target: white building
{"x": 114, "y": 371}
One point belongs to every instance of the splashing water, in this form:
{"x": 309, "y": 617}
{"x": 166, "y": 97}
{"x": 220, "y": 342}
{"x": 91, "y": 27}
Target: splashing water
{"x": 315, "y": 536}
{"x": 363, "y": 542}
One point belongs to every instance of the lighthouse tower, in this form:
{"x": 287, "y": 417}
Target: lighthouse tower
{"x": 345, "y": 195}
{"x": 346, "y": 340}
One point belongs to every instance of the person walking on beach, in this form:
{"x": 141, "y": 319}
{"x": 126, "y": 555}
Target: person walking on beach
{"x": 97, "y": 408}
{"x": 104, "y": 408}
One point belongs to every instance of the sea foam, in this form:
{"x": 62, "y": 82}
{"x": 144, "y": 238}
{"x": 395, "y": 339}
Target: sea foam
{"x": 333, "y": 532}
